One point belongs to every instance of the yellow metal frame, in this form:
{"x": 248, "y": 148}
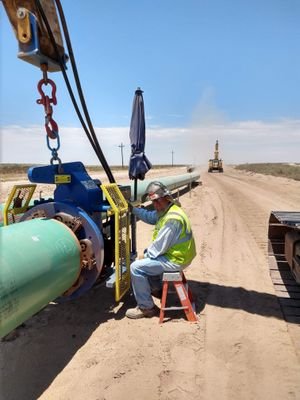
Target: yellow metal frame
{"x": 22, "y": 192}
{"x": 23, "y": 27}
{"x": 119, "y": 208}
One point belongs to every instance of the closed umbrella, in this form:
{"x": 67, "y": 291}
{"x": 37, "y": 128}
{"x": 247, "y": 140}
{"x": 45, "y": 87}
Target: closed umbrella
{"x": 139, "y": 164}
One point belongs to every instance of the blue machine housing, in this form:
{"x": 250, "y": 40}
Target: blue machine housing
{"x": 80, "y": 197}
{"x": 89, "y": 230}
{"x": 80, "y": 191}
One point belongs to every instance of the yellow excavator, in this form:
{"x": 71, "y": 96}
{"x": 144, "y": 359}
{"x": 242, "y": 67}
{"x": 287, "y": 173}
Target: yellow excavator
{"x": 215, "y": 164}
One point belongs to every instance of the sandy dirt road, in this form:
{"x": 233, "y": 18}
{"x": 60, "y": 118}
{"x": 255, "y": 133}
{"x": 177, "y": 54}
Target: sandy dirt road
{"x": 241, "y": 348}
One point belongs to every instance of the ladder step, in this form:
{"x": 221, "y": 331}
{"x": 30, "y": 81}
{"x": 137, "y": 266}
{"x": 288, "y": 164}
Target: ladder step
{"x": 172, "y": 276}
{"x": 178, "y": 282}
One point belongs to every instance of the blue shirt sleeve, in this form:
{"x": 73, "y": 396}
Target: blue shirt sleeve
{"x": 150, "y": 217}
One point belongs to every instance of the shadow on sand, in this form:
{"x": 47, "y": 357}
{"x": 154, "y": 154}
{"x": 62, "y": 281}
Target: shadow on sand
{"x": 53, "y": 335}
{"x": 56, "y": 333}
{"x": 238, "y": 298}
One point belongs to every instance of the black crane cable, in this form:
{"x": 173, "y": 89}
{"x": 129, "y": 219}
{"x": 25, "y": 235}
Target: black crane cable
{"x": 90, "y": 134}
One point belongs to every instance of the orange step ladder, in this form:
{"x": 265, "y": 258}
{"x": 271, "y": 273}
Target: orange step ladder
{"x": 184, "y": 294}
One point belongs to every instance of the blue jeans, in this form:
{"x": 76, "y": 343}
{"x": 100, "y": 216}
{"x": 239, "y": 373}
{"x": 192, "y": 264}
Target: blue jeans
{"x": 146, "y": 274}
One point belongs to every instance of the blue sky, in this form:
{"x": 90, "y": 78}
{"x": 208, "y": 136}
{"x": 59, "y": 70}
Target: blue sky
{"x": 209, "y": 69}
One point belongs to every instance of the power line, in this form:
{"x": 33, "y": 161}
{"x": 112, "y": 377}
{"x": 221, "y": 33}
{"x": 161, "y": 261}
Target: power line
{"x": 122, "y": 146}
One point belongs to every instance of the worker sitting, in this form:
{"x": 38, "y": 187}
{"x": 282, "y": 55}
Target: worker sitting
{"x": 172, "y": 248}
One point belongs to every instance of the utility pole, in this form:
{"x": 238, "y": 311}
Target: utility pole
{"x": 122, "y": 146}
{"x": 172, "y": 158}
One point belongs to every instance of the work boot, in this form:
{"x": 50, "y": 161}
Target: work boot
{"x": 137, "y": 312}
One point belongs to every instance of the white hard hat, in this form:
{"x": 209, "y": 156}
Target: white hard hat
{"x": 156, "y": 190}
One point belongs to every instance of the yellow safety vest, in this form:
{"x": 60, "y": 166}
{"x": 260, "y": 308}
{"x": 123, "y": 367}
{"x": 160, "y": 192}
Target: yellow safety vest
{"x": 183, "y": 252}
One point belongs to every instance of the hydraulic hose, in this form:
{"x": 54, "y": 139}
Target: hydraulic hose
{"x": 90, "y": 134}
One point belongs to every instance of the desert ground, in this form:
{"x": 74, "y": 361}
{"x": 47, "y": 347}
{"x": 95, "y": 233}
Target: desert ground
{"x": 240, "y": 348}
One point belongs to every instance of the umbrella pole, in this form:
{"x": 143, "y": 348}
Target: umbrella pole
{"x": 133, "y": 225}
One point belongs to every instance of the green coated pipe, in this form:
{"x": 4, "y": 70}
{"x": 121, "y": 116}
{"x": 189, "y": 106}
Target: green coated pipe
{"x": 171, "y": 182}
{"x": 39, "y": 261}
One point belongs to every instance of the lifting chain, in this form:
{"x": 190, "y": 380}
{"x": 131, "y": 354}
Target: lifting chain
{"x": 50, "y": 125}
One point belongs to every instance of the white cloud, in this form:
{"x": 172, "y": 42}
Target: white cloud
{"x": 248, "y": 141}
{"x": 240, "y": 141}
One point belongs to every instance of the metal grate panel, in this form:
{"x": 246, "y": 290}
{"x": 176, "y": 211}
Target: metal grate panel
{"x": 17, "y": 202}
{"x": 122, "y": 240}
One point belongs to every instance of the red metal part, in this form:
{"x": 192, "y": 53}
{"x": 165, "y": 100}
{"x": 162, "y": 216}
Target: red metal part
{"x": 50, "y": 125}
{"x": 51, "y": 128}
{"x": 43, "y": 96}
